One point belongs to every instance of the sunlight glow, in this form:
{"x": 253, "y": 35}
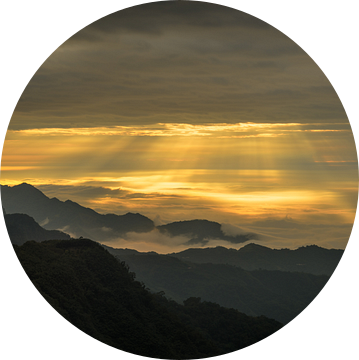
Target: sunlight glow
{"x": 223, "y": 130}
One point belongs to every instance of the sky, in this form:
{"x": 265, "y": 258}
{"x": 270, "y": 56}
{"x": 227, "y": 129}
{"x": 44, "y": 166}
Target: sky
{"x": 188, "y": 110}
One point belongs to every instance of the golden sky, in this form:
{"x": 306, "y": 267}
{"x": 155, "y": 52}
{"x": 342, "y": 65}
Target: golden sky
{"x": 181, "y": 110}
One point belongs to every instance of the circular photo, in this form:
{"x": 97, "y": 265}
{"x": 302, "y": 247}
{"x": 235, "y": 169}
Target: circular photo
{"x": 179, "y": 180}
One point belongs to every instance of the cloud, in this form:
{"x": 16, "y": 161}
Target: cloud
{"x": 158, "y": 221}
{"x": 227, "y": 244}
{"x": 150, "y": 241}
{"x": 44, "y": 222}
{"x": 286, "y": 223}
{"x": 66, "y": 231}
{"x": 174, "y": 62}
{"x": 154, "y": 19}
{"x": 219, "y": 130}
{"x": 162, "y": 242}
{"x": 188, "y": 110}
{"x": 65, "y": 192}
{"x": 232, "y": 230}
{"x": 326, "y": 231}
{"x": 106, "y": 229}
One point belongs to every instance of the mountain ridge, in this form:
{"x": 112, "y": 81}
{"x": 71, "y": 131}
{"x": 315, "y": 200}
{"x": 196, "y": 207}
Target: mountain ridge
{"x": 311, "y": 259}
{"x": 201, "y": 230}
{"x": 69, "y": 216}
{"x": 77, "y": 220}
{"x": 281, "y": 295}
{"x": 100, "y": 296}
{"x": 23, "y": 228}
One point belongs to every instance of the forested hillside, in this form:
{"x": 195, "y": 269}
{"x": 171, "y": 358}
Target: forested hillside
{"x": 98, "y": 294}
{"x": 277, "y": 294}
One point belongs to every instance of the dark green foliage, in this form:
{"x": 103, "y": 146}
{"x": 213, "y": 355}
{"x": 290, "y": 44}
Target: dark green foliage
{"x": 99, "y": 295}
{"x": 227, "y": 328}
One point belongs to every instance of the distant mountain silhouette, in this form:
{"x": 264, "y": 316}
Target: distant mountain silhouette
{"x": 69, "y": 216}
{"x": 311, "y": 259}
{"x": 200, "y": 231}
{"x": 76, "y": 220}
{"x": 22, "y": 228}
{"x": 276, "y": 294}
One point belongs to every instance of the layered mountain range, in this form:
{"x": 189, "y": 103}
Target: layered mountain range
{"x": 26, "y": 207}
{"x": 278, "y": 294}
{"x": 223, "y": 276}
{"x": 68, "y": 216}
{"x": 76, "y": 220}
